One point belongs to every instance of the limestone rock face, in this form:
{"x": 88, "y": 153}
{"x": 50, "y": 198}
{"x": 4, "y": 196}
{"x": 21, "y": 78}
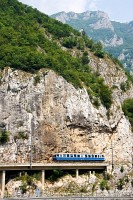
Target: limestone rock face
{"x": 52, "y": 116}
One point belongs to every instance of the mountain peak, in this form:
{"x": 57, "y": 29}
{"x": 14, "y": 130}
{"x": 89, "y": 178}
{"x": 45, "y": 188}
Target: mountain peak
{"x": 96, "y": 19}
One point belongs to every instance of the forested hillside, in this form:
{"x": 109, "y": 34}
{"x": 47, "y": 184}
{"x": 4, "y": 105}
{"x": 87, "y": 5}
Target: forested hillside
{"x": 30, "y": 40}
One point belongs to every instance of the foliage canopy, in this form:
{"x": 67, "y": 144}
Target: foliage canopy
{"x": 30, "y": 40}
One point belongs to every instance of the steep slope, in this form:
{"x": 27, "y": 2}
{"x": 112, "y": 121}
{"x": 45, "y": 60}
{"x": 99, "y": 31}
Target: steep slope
{"x": 72, "y": 100}
{"x": 116, "y": 37}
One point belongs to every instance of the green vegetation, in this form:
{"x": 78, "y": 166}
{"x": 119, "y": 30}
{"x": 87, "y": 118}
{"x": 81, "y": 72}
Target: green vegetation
{"x": 104, "y": 185}
{"x": 128, "y": 110}
{"x": 30, "y": 40}
{"x": 56, "y": 174}
{"x": 36, "y": 79}
{"x": 21, "y": 135}
{"x": 122, "y": 169}
{"x": 120, "y": 184}
{"x": 4, "y": 137}
{"x": 28, "y": 181}
{"x": 125, "y": 86}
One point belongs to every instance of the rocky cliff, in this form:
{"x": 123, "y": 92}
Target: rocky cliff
{"x": 53, "y": 116}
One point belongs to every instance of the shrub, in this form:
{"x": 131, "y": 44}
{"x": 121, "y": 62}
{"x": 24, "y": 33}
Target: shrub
{"x": 93, "y": 187}
{"x": 69, "y": 42}
{"x": 122, "y": 169}
{"x": 125, "y": 86}
{"x": 120, "y": 184}
{"x": 83, "y": 189}
{"x": 96, "y": 102}
{"x": 23, "y": 187}
{"x": 99, "y": 53}
{"x": 55, "y": 175}
{"x": 104, "y": 185}
{"x": 106, "y": 96}
{"x": 109, "y": 176}
{"x": 4, "y": 137}
{"x": 85, "y": 58}
{"x": 36, "y": 79}
{"x": 22, "y": 135}
{"x": 128, "y": 110}
{"x": 126, "y": 179}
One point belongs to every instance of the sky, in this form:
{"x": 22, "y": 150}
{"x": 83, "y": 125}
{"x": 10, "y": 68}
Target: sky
{"x": 118, "y": 10}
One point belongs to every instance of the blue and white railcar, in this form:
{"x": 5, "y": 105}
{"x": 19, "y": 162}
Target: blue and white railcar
{"x": 78, "y": 157}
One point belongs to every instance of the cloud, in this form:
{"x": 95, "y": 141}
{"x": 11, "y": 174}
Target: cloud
{"x": 54, "y": 6}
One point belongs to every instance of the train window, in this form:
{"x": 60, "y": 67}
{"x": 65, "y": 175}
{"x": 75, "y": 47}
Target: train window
{"x": 71, "y": 155}
{"x": 89, "y": 156}
{"x": 102, "y": 155}
{"x": 57, "y": 155}
{"x": 64, "y": 155}
{"x": 67, "y": 155}
{"x": 92, "y": 156}
{"x": 74, "y": 155}
{"x": 78, "y": 155}
{"x": 86, "y": 156}
{"x": 95, "y": 156}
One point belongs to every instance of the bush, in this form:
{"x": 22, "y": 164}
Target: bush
{"x": 104, "y": 185}
{"x": 96, "y": 102}
{"x": 122, "y": 169}
{"x": 4, "y": 137}
{"x": 69, "y": 42}
{"x": 22, "y": 135}
{"x": 109, "y": 176}
{"x": 99, "y": 54}
{"x": 120, "y": 184}
{"x": 106, "y": 96}
{"x": 55, "y": 175}
{"x": 125, "y": 86}
{"x": 128, "y": 110}
{"x": 23, "y": 187}
{"x": 36, "y": 79}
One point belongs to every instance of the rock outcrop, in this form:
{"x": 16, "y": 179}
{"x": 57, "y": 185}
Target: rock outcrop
{"x": 55, "y": 117}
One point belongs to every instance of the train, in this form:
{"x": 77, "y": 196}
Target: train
{"x": 78, "y": 157}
